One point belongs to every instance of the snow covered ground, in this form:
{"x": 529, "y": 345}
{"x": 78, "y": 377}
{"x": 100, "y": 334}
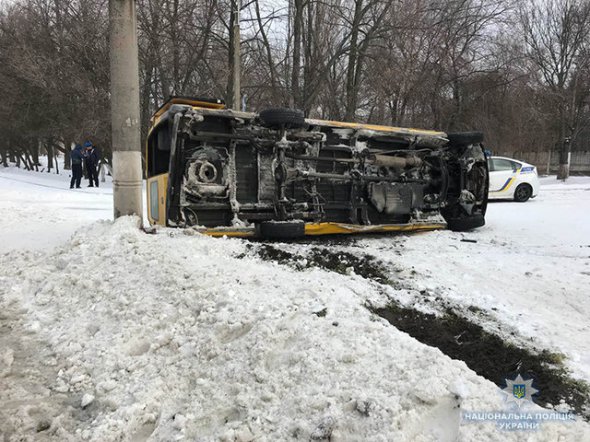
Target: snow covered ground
{"x": 108, "y": 333}
{"x": 529, "y": 269}
{"x": 40, "y": 211}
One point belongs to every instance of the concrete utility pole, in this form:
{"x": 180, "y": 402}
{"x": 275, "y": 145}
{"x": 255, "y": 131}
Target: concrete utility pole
{"x": 237, "y": 100}
{"x": 126, "y": 137}
{"x": 565, "y": 156}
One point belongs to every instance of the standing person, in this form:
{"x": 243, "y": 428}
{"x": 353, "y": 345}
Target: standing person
{"x": 91, "y": 158}
{"x": 76, "y": 158}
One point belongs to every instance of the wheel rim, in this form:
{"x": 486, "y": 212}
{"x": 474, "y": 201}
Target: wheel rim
{"x": 522, "y": 193}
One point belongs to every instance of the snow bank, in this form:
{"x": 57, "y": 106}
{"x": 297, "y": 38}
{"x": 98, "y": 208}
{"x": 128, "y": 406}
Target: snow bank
{"x": 177, "y": 336}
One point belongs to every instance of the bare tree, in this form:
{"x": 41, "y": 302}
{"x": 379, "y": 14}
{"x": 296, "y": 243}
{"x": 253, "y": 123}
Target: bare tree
{"x": 452, "y": 64}
{"x": 556, "y": 33}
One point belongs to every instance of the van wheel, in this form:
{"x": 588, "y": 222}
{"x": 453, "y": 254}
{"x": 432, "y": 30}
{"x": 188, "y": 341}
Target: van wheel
{"x": 277, "y": 118}
{"x": 281, "y": 229}
{"x": 466, "y": 223}
{"x": 464, "y": 138}
{"x": 522, "y": 193}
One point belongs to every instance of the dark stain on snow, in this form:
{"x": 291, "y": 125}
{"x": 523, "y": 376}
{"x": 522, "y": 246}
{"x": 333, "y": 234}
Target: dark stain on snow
{"x": 344, "y": 263}
{"x": 485, "y": 353}
{"x": 491, "y": 356}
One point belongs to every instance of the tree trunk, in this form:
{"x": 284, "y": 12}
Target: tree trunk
{"x": 35, "y": 152}
{"x": 27, "y": 159}
{"x": 295, "y": 98}
{"x": 145, "y": 101}
{"x": 455, "y": 117}
{"x": 30, "y": 155}
{"x": 231, "y": 56}
{"x": 268, "y": 51}
{"x": 67, "y": 152}
{"x": 236, "y": 63}
{"x": 22, "y": 157}
{"x": 351, "y": 71}
{"x": 564, "y": 152}
{"x": 50, "y": 153}
{"x": 175, "y": 51}
{"x": 4, "y": 154}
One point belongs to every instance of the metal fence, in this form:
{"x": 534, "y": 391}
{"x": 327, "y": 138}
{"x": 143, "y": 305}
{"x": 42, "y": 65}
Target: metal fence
{"x": 548, "y": 162}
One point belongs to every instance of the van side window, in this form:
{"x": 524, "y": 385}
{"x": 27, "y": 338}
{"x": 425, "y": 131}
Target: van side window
{"x": 159, "y": 151}
{"x": 154, "y": 197}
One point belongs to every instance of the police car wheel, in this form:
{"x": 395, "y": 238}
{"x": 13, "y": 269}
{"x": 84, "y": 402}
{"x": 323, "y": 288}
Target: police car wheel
{"x": 522, "y": 193}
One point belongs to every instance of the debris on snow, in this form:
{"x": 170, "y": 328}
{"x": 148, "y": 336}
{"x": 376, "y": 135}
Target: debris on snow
{"x": 87, "y": 399}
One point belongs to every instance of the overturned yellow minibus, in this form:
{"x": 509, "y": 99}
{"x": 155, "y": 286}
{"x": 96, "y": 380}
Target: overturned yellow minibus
{"x": 275, "y": 174}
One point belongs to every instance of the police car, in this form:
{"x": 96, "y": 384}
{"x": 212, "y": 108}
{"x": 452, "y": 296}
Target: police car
{"x": 512, "y": 179}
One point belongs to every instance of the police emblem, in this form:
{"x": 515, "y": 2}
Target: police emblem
{"x": 519, "y": 390}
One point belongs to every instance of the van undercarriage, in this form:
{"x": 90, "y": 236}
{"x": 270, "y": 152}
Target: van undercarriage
{"x": 275, "y": 172}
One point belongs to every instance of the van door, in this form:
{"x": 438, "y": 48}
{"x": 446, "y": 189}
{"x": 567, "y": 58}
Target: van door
{"x": 156, "y": 196}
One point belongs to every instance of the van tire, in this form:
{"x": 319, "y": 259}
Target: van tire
{"x": 281, "y": 229}
{"x": 466, "y": 223}
{"x": 277, "y": 118}
{"x": 465, "y": 138}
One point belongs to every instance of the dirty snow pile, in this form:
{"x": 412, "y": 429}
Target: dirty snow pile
{"x": 174, "y": 336}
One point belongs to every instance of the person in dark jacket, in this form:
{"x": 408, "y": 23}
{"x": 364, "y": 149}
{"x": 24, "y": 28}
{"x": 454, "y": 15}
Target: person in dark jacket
{"x": 91, "y": 159}
{"x": 76, "y": 158}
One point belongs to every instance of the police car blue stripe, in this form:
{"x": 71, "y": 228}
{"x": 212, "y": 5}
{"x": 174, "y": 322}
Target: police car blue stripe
{"x": 505, "y": 184}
